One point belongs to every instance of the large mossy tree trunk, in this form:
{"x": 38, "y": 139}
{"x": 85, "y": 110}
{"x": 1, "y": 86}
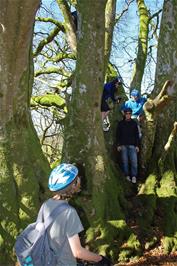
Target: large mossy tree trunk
{"x": 23, "y": 168}
{"x": 159, "y": 195}
{"x": 84, "y": 141}
{"x": 101, "y": 201}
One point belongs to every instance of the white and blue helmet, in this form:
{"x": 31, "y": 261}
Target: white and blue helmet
{"x": 62, "y": 176}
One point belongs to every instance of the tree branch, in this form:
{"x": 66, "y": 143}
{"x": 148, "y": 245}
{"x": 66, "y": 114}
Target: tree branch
{"x": 171, "y": 137}
{"x": 60, "y": 56}
{"x": 48, "y": 100}
{"x": 118, "y": 17}
{"x": 51, "y": 20}
{"x": 163, "y": 90}
{"x": 69, "y": 24}
{"x": 156, "y": 14}
{"x": 161, "y": 100}
{"x": 53, "y": 70}
{"x": 47, "y": 40}
{"x": 45, "y": 132}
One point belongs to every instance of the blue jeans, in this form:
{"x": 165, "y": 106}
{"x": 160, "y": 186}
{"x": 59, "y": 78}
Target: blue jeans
{"x": 129, "y": 156}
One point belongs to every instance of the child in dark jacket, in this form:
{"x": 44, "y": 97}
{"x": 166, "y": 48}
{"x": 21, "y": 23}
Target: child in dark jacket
{"x": 127, "y": 138}
{"x": 109, "y": 98}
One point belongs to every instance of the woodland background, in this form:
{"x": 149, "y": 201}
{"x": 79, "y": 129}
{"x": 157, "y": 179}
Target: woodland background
{"x": 52, "y": 76}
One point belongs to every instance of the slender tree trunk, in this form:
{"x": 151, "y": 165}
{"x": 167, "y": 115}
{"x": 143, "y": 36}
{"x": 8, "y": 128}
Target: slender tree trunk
{"x": 23, "y": 168}
{"x": 140, "y": 62}
{"x": 109, "y": 27}
{"x": 69, "y": 25}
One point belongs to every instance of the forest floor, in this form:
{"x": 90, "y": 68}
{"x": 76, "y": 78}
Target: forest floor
{"x": 153, "y": 258}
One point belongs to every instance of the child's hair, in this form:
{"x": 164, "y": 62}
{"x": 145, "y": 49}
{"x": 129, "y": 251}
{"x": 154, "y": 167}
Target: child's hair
{"x": 67, "y": 192}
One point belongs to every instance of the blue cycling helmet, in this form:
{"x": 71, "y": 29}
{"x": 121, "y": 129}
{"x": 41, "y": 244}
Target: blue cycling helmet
{"x": 135, "y": 93}
{"x": 62, "y": 176}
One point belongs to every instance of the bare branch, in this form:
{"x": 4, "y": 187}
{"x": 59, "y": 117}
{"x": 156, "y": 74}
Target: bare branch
{"x": 156, "y": 14}
{"x": 45, "y": 131}
{"x": 118, "y": 17}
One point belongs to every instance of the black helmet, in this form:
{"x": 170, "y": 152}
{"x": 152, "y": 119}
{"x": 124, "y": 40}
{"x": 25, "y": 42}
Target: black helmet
{"x": 128, "y": 110}
{"x": 118, "y": 80}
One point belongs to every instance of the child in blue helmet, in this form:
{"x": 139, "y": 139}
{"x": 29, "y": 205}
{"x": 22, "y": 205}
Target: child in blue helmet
{"x": 109, "y": 98}
{"x": 64, "y": 181}
{"x": 135, "y": 103}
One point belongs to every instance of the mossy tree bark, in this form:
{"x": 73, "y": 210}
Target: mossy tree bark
{"x": 70, "y": 28}
{"x": 22, "y": 165}
{"x": 109, "y": 27}
{"x": 158, "y": 194}
{"x": 102, "y": 199}
{"x": 84, "y": 111}
{"x": 140, "y": 62}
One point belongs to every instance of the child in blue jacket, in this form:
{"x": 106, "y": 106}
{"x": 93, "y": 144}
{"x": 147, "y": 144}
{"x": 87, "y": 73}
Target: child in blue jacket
{"x": 135, "y": 103}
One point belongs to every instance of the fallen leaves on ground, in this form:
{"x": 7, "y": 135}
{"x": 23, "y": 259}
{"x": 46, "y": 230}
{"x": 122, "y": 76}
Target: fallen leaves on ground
{"x": 154, "y": 257}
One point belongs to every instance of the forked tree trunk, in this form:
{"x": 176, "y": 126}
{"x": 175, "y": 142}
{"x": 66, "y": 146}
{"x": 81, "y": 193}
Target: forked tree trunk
{"x": 23, "y": 169}
{"x": 102, "y": 202}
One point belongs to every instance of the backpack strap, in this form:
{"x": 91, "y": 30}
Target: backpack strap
{"x": 53, "y": 215}
{"x": 40, "y": 214}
